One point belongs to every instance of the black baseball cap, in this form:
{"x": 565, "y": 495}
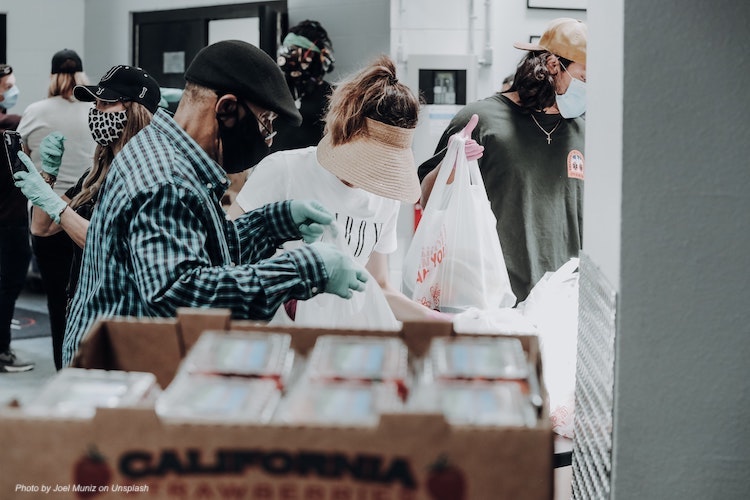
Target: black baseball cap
{"x": 240, "y": 68}
{"x": 66, "y": 61}
{"x": 123, "y": 83}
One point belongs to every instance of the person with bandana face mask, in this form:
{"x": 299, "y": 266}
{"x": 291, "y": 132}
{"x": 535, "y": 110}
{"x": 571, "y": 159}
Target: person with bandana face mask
{"x": 15, "y": 251}
{"x": 532, "y": 163}
{"x": 305, "y": 56}
{"x": 159, "y": 238}
{"x": 124, "y": 102}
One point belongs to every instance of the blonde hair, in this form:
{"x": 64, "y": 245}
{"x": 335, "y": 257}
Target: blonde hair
{"x": 375, "y": 93}
{"x": 138, "y": 118}
{"x": 62, "y": 84}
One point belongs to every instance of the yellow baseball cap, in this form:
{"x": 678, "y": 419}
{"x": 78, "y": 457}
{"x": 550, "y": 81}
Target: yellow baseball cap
{"x": 564, "y": 37}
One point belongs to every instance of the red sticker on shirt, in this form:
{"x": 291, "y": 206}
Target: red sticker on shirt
{"x": 575, "y": 165}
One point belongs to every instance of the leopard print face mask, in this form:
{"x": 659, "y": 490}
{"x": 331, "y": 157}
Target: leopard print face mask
{"x": 106, "y": 127}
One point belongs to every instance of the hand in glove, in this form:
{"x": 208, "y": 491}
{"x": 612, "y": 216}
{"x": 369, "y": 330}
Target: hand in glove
{"x": 311, "y": 218}
{"x": 37, "y": 190}
{"x": 474, "y": 150}
{"x": 50, "y": 151}
{"x": 344, "y": 274}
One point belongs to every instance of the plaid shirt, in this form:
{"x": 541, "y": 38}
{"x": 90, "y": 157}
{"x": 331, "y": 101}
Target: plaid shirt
{"x": 159, "y": 239}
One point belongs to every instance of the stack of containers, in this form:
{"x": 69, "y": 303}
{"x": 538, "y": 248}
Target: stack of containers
{"x": 478, "y": 381}
{"x": 349, "y": 381}
{"x": 229, "y": 377}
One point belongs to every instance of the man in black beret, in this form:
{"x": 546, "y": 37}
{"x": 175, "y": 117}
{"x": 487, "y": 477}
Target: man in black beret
{"x": 239, "y": 77}
{"x": 159, "y": 239}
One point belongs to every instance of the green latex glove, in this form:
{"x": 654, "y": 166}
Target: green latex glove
{"x": 50, "y": 151}
{"x": 37, "y": 191}
{"x": 344, "y": 274}
{"x": 311, "y": 218}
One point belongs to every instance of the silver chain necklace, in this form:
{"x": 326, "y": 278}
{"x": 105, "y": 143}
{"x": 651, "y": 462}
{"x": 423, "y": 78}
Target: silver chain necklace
{"x": 548, "y": 134}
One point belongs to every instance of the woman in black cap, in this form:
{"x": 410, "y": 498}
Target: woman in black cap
{"x": 125, "y": 101}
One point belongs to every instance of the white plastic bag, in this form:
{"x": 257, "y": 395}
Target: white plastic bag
{"x": 505, "y": 320}
{"x": 366, "y": 310}
{"x": 552, "y": 305}
{"x": 455, "y": 261}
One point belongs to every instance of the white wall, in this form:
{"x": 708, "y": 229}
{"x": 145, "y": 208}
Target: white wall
{"x": 604, "y": 115}
{"x": 36, "y": 30}
{"x": 683, "y": 337}
{"x": 430, "y": 27}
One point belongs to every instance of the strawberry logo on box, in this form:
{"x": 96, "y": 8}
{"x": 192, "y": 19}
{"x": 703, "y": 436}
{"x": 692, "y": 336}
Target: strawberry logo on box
{"x": 91, "y": 474}
{"x": 446, "y": 481}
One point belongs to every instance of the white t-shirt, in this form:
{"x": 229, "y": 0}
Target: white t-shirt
{"x": 56, "y": 114}
{"x": 369, "y": 220}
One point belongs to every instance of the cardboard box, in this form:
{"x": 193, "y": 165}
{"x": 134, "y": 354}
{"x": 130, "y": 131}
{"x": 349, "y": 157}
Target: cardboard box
{"x": 406, "y": 457}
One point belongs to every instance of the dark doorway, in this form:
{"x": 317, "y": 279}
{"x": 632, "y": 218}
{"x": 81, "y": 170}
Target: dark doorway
{"x": 165, "y": 42}
{"x": 3, "y": 38}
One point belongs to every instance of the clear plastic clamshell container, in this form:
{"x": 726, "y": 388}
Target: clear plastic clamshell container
{"x": 78, "y": 392}
{"x": 497, "y": 403}
{"x": 342, "y": 403}
{"x": 245, "y": 354}
{"x": 468, "y": 358}
{"x": 198, "y": 397}
{"x": 363, "y": 358}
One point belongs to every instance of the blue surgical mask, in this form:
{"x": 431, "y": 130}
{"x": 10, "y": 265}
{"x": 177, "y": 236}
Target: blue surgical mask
{"x": 572, "y": 103}
{"x": 10, "y": 97}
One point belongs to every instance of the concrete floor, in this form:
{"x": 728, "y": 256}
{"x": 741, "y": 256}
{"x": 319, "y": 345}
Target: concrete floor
{"x": 23, "y": 386}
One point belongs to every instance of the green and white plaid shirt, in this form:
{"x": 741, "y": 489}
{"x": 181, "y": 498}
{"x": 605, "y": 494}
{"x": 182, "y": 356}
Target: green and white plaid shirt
{"x": 159, "y": 240}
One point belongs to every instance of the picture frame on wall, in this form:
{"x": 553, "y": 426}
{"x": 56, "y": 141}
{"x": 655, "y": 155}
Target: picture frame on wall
{"x": 534, "y": 38}
{"x": 557, "y": 4}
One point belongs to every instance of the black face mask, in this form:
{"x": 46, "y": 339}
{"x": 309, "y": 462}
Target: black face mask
{"x": 243, "y": 145}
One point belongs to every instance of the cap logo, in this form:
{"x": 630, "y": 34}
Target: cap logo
{"x": 143, "y": 93}
{"x": 99, "y": 91}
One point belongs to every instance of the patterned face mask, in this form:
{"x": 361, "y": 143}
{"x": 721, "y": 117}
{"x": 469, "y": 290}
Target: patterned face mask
{"x": 106, "y": 127}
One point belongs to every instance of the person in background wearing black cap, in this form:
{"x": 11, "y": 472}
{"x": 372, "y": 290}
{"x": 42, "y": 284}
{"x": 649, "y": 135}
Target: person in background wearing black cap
{"x": 305, "y": 56}
{"x": 15, "y": 252}
{"x": 43, "y": 126}
{"x": 125, "y": 101}
{"x": 532, "y": 165}
{"x": 159, "y": 238}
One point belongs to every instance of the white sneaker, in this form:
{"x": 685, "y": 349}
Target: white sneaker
{"x": 9, "y": 363}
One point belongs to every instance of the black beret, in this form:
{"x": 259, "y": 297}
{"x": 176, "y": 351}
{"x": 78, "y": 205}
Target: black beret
{"x": 243, "y": 69}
